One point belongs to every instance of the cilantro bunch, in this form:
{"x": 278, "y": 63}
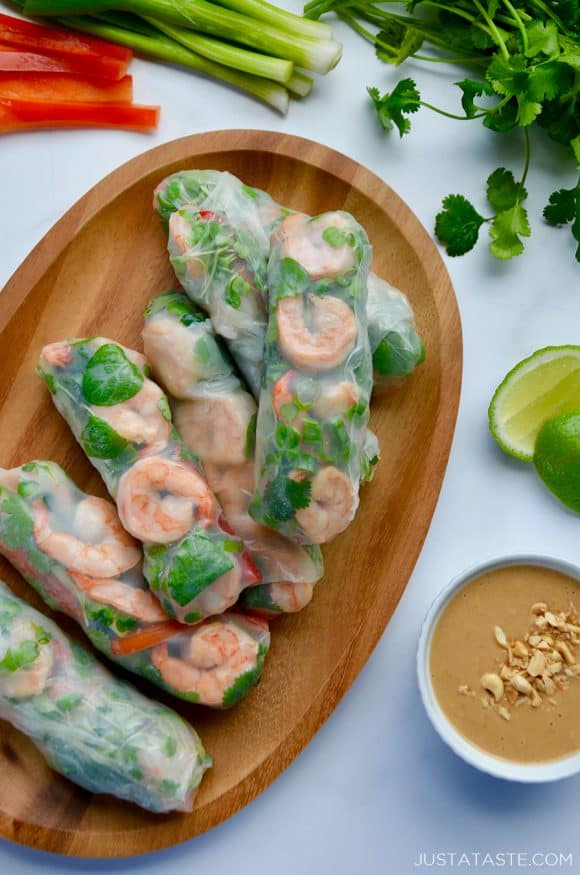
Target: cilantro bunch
{"x": 525, "y": 55}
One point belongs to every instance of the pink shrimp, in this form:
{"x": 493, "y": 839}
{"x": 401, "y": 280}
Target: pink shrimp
{"x": 316, "y": 332}
{"x": 160, "y": 500}
{"x": 130, "y": 600}
{"x": 102, "y": 548}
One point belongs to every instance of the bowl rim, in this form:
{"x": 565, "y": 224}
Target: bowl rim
{"x": 535, "y": 772}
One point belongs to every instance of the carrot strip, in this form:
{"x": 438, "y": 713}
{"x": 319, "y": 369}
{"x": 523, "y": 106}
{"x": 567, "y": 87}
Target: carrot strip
{"x": 12, "y": 60}
{"x": 57, "y": 41}
{"x": 146, "y": 638}
{"x": 62, "y": 87}
{"x": 19, "y": 115}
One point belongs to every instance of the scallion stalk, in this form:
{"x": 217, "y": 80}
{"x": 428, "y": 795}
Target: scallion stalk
{"x": 161, "y": 47}
{"x": 287, "y": 21}
{"x": 230, "y": 56}
{"x": 320, "y": 55}
{"x": 299, "y": 84}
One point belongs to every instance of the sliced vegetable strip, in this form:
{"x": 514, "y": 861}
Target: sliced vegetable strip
{"x": 216, "y": 418}
{"x": 314, "y": 403}
{"x": 71, "y": 548}
{"x": 57, "y": 41}
{"x": 20, "y": 115}
{"x": 91, "y": 727}
{"x": 62, "y": 88}
{"x": 14, "y": 60}
{"x": 196, "y": 567}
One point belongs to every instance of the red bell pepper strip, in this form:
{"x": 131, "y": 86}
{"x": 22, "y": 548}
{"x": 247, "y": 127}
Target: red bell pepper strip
{"x": 61, "y": 87}
{"x": 146, "y": 638}
{"x": 57, "y": 41}
{"x": 21, "y": 115}
{"x": 12, "y": 60}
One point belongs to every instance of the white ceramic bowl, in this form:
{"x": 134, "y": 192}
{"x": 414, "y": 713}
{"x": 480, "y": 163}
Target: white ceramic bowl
{"x": 552, "y": 770}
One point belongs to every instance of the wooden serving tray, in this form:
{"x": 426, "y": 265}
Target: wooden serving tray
{"x": 92, "y": 274}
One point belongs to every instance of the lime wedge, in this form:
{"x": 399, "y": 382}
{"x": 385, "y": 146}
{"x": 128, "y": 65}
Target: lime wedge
{"x": 539, "y": 388}
{"x": 557, "y": 458}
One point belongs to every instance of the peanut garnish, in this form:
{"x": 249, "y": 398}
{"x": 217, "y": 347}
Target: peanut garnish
{"x": 536, "y": 666}
{"x": 500, "y": 637}
{"x": 493, "y": 684}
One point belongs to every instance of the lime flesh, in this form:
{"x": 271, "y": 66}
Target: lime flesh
{"x": 538, "y": 389}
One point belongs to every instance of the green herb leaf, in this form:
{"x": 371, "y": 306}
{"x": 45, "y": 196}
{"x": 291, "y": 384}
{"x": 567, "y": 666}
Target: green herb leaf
{"x": 393, "y": 106}
{"x": 457, "y": 225}
{"x": 542, "y": 38}
{"x": 563, "y": 206}
{"x": 508, "y": 77}
{"x": 283, "y": 496}
{"x": 335, "y": 237}
{"x": 196, "y": 563}
{"x": 100, "y": 440}
{"x": 472, "y": 89}
{"x": 241, "y": 687}
{"x": 110, "y": 378}
{"x": 505, "y": 232}
{"x": 528, "y": 111}
{"x": 503, "y": 191}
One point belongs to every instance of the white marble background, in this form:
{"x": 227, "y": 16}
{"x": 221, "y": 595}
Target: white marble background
{"x": 376, "y": 787}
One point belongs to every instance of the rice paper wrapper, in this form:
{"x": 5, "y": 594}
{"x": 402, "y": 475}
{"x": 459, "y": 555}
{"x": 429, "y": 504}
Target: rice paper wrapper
{"x": 216, "y": 418}
{"x": 52, "y": 532}
{"x": 314, "y": 405}
{"x": 122, "y": 419}
{"x": 92, "y": 728}
{"x": 395, "y": 343}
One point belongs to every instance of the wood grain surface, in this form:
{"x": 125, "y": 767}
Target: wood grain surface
{"x": 92, "y": 274}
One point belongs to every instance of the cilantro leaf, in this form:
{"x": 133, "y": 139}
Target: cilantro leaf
{"x": 284, "y": 496}
{"x": 503, "y": 118}
{"x": 472, "y": 89}
{"x": 392, "y": 107}
{"x": 457, "y": 225}
{"x": 396, "y": 42}
{"x": 548, "y": 80}
{"x": 563, "y": 206}
{"x": 503, "y": 191}
{"x": 506, "y": 229}
{"x": 561, "y": 120}
{"x": 528, "y": 111}
{"x": 542, "y": 38}
{"x": 510, "y": 77}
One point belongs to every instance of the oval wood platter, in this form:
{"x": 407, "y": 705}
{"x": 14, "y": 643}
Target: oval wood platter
{"x": 92, "y": 274}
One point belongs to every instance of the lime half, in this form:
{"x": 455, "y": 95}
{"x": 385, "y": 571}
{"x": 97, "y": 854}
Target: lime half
{"x": 557, "y": 458}
{"x": 539, "y": 388}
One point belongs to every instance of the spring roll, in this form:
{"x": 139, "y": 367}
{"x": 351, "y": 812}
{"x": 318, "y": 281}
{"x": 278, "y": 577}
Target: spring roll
{"x": 91, "y": 727}
{"x": 216, "y": 418}
{"x": 314, "y": 404}
{"x": 72, "y": 549}
{"x": 395, "y": 343}
{"x": 195, "y": 566}
{"x": 396, "y": 346}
